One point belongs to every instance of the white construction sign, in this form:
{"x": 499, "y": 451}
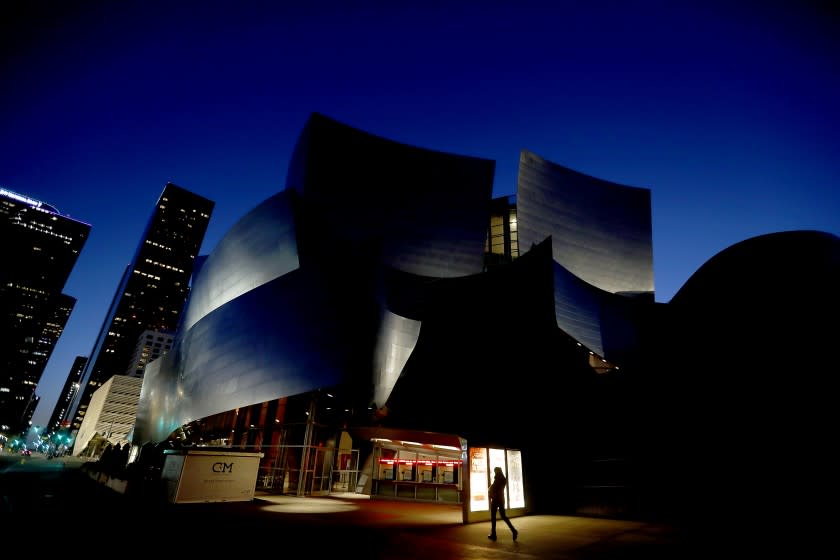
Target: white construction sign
{"x": 210, "y": 476}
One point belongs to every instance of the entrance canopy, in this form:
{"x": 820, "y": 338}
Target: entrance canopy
{"x": 400, "y": 436}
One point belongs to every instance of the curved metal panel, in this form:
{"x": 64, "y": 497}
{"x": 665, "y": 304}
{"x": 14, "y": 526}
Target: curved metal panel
{"x": 424, "y": 212}
{"x": 394, "y": 346}
{"x": 606, "y": 324}
{"x": 277, "y": 340}
{"x": 158, "y": 411}
{"x": 601, "y": 231}
{"x": 310, "y": 289}
{"x": 260, "y": 247}
{"x": 577, "y": 309}
{"x": 271, "y": 342}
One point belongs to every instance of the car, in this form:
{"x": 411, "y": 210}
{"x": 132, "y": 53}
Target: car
{"x": 25, "y": 452}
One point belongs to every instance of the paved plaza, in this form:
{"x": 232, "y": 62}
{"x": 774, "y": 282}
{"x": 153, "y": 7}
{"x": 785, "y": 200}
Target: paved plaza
{"x": 55, "y": 497}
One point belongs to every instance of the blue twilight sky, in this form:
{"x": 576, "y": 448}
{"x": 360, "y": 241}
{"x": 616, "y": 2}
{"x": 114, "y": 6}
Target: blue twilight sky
{"x": 727, "y": 111}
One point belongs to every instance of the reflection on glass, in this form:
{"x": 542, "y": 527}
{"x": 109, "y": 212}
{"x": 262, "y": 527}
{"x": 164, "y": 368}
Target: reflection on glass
{"x": 497, "y": 459}
{"x": 516, "y": 486}
{"x": 478, "y": 479}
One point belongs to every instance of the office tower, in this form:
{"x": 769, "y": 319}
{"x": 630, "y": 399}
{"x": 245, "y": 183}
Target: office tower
{"x": 119, "y": 404}
{"x": 40, "y": 248}
{"x": 153, "y": 289}
{"x": 150, "y": 346}
{"x": 65, "y": 398}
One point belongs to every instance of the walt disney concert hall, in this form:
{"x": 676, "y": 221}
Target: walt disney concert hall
{"x": 383, "y": 325}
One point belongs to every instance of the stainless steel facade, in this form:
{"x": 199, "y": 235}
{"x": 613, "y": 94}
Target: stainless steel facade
{"x": 361, "y": 274}
{"x": 333, "y": 274}
{"x": 601, "y": 232}
{"x": 315, "y": 287}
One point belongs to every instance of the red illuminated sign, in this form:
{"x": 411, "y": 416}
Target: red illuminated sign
{"x": 421, "y": 462}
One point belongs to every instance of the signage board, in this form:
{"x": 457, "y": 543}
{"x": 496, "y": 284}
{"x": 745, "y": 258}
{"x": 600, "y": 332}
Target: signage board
{"x": 210, "y": 476}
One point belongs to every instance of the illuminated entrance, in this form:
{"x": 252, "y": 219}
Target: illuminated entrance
{"x": 482, "y": 461}
{"x": 441, "y": 468}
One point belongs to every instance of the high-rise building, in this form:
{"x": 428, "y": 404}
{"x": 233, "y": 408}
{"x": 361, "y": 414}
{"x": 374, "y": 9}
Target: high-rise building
{"x": 153, "y": 289}
{"x": 150, "y": 346}
{"x": 41, "y": 247}
{"x": 121, "y": 402}
{"x": 68, "y": 392}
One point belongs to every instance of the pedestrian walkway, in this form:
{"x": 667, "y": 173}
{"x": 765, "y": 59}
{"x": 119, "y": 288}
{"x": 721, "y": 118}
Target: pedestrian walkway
{"x": 425, "y": 530}
{"x": 44, "y": 493}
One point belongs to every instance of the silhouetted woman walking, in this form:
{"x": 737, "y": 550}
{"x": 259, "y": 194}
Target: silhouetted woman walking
{"x": 496, "y": 492}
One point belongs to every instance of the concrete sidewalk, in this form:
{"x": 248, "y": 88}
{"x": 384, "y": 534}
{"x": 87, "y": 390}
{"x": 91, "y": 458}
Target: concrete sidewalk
{"x": 420, "y": 530}
{"x": 41, "y": 498}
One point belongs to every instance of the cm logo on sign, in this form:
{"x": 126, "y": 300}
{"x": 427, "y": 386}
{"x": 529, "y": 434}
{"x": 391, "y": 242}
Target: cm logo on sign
{"x": 223, "y": 467}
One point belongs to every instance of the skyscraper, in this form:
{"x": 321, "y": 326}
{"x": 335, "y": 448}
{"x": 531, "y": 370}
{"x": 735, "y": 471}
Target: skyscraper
{"x": 40, "y": 249}
{"x": 150, "y": 346}
{"x": 68, "y": 393}
{"x": 153, "y": 289}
